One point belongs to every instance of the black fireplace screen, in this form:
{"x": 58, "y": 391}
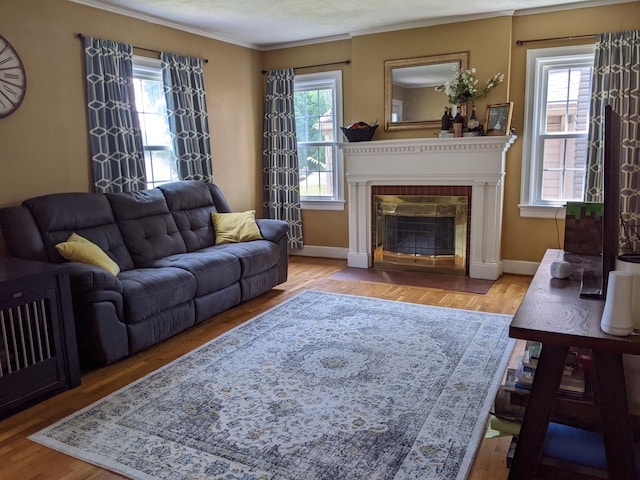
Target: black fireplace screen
{"x": 419, "y": 235}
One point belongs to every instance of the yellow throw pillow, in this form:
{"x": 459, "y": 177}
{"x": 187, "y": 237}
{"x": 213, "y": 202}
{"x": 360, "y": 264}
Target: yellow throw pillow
{"x": 235, "y": 227}
{"x": 79, "y": 249}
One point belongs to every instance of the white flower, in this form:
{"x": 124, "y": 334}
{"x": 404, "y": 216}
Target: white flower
{"x": 464, "y": 86}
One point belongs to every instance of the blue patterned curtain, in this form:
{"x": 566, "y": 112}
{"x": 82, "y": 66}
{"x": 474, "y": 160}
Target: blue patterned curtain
{"x": 280, "y": 155}
{"x": 188, "y": 118}
{"x": 114, "y": 136}
{"x": 616, "y": 82}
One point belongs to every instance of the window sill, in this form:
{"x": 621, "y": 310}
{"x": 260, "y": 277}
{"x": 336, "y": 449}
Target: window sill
{"x": 542, "y": 211}
{"x": 337, "y": 205}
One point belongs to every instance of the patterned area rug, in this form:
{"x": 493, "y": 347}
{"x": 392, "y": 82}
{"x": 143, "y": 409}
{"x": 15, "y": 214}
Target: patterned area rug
{"x": 322, "y": 386}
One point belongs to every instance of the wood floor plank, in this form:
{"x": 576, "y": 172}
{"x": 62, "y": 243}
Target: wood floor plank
{"x": 21, "y": 459}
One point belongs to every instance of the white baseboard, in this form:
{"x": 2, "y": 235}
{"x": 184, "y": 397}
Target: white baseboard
{"x": 323, "y": 252}
{"x": 519, "y": 267}
{"x": 516, "y": 267}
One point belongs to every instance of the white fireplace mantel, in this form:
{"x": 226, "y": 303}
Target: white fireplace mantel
{"x": 475, "y": 161}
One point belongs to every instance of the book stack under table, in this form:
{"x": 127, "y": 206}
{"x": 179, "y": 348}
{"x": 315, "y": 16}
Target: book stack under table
{"x": 575, "y": 405}
{"x": 573, "y": 380}
{"x": 572, "y": 440}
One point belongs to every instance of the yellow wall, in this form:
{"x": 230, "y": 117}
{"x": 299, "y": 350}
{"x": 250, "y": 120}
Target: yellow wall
{"x": 491, "y": 46}
{"x": 44, "y": 145}
{"x": 527, "y": 238}
{"x": 322, "y": 228}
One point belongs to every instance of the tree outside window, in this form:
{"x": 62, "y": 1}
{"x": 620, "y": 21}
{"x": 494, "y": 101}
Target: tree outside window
{"x": 317, "y": 103}
{"x": 151, "y": 106}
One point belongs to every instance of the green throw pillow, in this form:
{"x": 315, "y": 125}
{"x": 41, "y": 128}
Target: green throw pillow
{"x": 79, "y": 249}
{"x": 235, "y": 227}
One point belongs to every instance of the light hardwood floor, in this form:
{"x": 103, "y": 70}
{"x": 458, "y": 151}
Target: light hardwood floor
{"x": 21, "y": 459}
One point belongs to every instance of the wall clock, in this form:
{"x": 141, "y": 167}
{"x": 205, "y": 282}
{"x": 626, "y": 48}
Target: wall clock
{"x": 13, "y": 81}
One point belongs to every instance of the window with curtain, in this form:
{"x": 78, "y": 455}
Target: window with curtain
{"x": 188, "y": 117}
{"x": 114, "y": 136}
{"x": 318, "y": 115}
{"x": 558, "y": 92}
{"x": 151, "y": 107}
{"x": 148, "y": 121}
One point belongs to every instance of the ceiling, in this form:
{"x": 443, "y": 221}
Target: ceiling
{"x": 268, "y": 24}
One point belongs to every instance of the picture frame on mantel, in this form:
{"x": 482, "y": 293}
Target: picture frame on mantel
{"x": 498, "y": 119}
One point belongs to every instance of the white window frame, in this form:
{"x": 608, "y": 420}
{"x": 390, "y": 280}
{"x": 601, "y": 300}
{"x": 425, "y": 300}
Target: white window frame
{"x": 333, "y": 80}
{"x": 538, "y": 60}
{"x": 147, "y": 68}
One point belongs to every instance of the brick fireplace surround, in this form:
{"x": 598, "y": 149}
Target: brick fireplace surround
{"x": 421, "y": 166}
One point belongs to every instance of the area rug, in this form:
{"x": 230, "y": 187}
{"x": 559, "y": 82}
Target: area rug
{"x": 456, "y": 283}
{"x": 322, "y": 386}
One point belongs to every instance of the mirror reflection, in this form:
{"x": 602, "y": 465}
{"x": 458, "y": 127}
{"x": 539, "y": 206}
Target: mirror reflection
{"x": 411, "y": 100}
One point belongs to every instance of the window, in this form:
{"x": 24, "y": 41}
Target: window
{"x": 160, "y": 160}
{"x": 556, "y": 127}
{"x": 318, "y": 111}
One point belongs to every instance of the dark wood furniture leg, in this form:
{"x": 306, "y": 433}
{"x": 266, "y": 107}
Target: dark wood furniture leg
{"x": 539, "y": 406}
{"x": 616, "y": 424}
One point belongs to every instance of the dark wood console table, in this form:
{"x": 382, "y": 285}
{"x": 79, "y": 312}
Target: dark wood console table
{"x": 38, "y": 350}
{"x": 553, "y": 313}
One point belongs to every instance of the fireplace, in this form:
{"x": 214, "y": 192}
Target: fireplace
{"x": 473, "y": 164}
{"x": 420, "y": 232}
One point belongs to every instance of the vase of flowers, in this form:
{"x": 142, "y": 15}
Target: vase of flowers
{"x": 463, "y": 87}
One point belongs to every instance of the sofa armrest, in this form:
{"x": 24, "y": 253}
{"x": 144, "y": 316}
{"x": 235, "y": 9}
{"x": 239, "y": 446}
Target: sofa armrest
{"x": 277, "y": 231}
{"x": 272, "y": 230}
{"x": 21, "y": 235}
{"x": 89, "y": 278}
{"x": 98, "y": 308}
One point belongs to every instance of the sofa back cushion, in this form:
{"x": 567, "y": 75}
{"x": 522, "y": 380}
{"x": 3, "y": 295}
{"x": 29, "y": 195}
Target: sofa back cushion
{"x": 21, "y": 235}
{"x": 191, "y": 204}
{"x": 89, "y": 215}
{"x": 218, "y": 198}
{"x": 148, "y": 228}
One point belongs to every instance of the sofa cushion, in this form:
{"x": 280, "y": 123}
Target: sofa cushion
{"x": 235, "y": 227}
{"x": 79, "y": 249}
{"x": 255, "y": 257}
{"x": 149, "y": 291}
{"x": 59, "y": 215}
{"x": 212, "y": 271}
{"x": 191, "y": 204}
{"x": 147, "y": 226}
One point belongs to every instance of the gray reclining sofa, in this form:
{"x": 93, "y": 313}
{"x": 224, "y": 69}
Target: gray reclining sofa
{"x": 172, "y": 274}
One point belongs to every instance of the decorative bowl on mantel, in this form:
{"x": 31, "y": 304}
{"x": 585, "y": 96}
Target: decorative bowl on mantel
{"x": 359, "y": 132}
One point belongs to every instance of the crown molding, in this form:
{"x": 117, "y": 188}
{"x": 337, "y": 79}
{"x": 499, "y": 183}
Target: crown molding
{"x": 433, "y": 22}
{"x": 302, "y": 43}
{"x": 347, "y": 36}
{"x": 568, "y": 6}
{"x": 164, "y": 23}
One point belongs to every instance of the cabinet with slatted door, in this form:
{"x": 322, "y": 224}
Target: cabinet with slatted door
{"x": 38, "y": 350}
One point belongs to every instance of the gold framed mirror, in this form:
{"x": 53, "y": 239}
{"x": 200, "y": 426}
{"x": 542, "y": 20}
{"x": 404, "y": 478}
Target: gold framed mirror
{"x": 410, "y": 99}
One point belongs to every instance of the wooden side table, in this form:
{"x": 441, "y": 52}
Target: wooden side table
{"x": 553, "y": 313}
{"x": 38, "y": 350}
